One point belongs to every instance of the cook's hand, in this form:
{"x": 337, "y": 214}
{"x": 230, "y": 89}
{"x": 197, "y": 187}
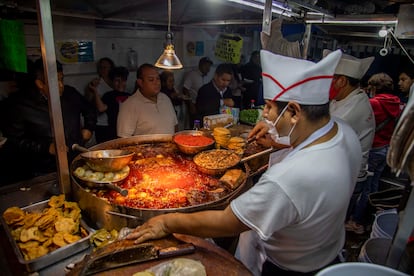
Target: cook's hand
{"x": 153, "y": 229}
{"x": 259, "y": 131}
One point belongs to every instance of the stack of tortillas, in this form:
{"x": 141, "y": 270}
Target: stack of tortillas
{"x": 236, "y": 144}
{"x": 222, "y": 136}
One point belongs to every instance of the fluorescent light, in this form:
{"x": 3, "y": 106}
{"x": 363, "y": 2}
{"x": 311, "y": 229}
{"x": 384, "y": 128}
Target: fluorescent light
{"x": 348, "y": 22}
{"x": 276, "y": 8}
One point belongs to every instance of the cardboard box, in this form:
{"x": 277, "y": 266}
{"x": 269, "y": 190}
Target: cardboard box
{"x": 218, "y": 120}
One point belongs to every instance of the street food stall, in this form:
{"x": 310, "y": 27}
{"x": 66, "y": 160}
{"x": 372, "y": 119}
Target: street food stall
{"x": 160, "y": 178}
{"x": 112, "y": 201}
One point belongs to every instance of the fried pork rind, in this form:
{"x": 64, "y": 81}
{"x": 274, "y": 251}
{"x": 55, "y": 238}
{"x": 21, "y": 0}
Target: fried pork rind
{"x": 49, "y": 232}
{"x": 13, "y": 215}
{"x": 48, "y": 242}
{"x": 41, "y": 232}
{"x": 30, "y": 219}
{"x": 69, "y": 238}
{"x": 16, "y": 233}
{"x": 32, "y": 233}
{"x": 57, "y": 201}
{"x": 66, "y": 225}
{"x": 59, "y": 240}
{"x": 71, "y": 210}
{"x": 31, "y": 253}
{"x": 45, "y": 221}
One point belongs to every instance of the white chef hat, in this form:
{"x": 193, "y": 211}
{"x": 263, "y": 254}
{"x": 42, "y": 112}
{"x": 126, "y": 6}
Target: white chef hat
{"x": 290, "y": 79}
{"x": 351, "y": 66}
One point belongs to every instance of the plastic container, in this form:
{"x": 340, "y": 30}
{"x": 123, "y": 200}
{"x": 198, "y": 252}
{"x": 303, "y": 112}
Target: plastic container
{"x": 359, "y": 269}
{"x": 375, "y": 251}
{"x": 385, "y": 224}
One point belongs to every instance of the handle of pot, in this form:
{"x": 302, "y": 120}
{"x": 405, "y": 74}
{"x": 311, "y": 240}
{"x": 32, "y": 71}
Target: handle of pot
{"x": 77, "y": 147}
{"x": 123, "y": 192}
{"x": 260, "y": 153}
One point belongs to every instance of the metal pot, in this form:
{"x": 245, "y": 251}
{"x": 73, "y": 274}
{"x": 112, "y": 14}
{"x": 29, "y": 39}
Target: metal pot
{"x": 100, "y": 213}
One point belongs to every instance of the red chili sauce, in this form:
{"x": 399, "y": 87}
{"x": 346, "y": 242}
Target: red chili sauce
{"x": 192, "y": 140}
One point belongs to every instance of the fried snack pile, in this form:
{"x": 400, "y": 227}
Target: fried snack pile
{"x": 236, "y": 144}
{"x": 222, "y": 136}
{"x": 38, "y": 234}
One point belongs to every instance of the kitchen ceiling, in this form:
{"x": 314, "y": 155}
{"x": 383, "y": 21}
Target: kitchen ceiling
{"x": 341, "y": 19}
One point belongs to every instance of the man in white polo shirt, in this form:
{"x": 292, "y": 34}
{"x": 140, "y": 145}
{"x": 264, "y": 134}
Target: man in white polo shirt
{"x": 147, "y": 111}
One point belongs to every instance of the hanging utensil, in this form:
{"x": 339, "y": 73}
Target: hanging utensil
{"x": 110, "y": 160}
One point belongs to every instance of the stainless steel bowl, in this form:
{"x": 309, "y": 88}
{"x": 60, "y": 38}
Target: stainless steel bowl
{"x": 191, "y": 150}
{"x": 110, "y": 160}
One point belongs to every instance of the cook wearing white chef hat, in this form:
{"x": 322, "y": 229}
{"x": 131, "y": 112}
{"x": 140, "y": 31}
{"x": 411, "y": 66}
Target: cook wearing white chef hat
{"x": 291, "y": 84}
{"x": 297, "y": 117}
{"x": 303, "y": 81}
{"x": 352, "y": 68}
{"x": 351, "y": 104}
{"x": 297, "y": 207}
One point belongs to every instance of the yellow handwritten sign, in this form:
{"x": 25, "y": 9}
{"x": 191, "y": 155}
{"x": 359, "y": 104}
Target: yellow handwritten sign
{"x": 228, "y": 48}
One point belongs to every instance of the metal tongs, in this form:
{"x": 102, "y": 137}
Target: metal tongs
{"x": 251, "y": 140}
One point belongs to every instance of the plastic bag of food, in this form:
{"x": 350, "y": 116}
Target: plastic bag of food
{"x": 176, "y": 267}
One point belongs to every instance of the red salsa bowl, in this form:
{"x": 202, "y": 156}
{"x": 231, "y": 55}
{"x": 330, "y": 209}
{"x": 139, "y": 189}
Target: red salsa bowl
{"x": 193, "y": 141}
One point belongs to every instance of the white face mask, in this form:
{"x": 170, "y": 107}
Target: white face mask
{"x": 274, "y": 134}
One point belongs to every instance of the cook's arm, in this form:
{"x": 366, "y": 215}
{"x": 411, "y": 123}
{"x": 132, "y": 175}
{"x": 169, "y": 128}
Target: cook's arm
{"x": 259, "y": 133}
{"x": 222, "y": 223}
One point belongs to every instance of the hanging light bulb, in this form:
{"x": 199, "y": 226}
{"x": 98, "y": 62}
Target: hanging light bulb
{"x": 168, "y": 59}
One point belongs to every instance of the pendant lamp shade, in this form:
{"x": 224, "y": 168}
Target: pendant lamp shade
{"x": 168, "y": 59}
